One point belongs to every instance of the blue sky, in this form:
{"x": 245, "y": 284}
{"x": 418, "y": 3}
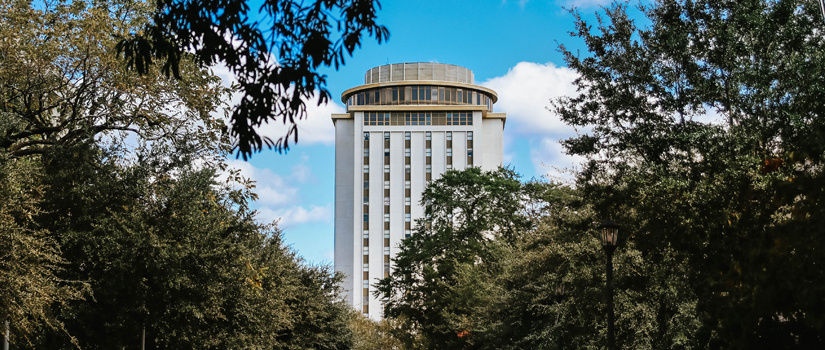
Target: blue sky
{"x": 511, "y": 46}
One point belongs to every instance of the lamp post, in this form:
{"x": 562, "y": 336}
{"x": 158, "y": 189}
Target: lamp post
{"x": 610, "y": 234}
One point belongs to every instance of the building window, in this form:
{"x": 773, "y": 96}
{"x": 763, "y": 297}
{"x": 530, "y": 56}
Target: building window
{"x": 407, "y": 152}
{"x": 407, "y": 135}
{"x": 366, "y": 267}
{"x": 430, "y": 168}
{"x": 366, "y": 234}
{"x": 366, "y": 217}
{"x": 386, "y": 217}
{"x": 407, "y": 233}
{"x": 386, "y": 250}
{"x": 407, "y": 218}
{"x": 429, "y": 136}
{"x": 449, "y": 167}
{"x": 366, "y": 136}
{"x": 449, "y": 152}
{"x": 386, "y": 152}
{"x": 469, "y": 152}
{"x": 449, "y": 135}
{"x": 366, "y": 169}
{"x": 386, "y": 168}
{"x": 406, "y": 185}
{"x": 407, "y": 168}
{"x": 386, "y": 135}
{"x": 469, "y": 136}
{"x": 417, "y": 118}
{"x": 407, "y": 201}
{"x": 386, "y": 233}
{"x": 366, "y": 284}
{"x": 429, "y": 152}
{"x": 366, "y": 152}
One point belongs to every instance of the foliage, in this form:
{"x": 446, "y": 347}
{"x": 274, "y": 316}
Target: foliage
{"x": 166, "y": 249}
{"x": 376, "y": 335}
{"x": 274, "y": 53}
{"x": 30, "y": 261}
{"x": 727, "y": 213}
{"x": 61, "y": 83}
{"x": 442, "y": 280}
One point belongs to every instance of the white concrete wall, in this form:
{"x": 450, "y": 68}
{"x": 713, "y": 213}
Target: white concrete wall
{"x": 349, "y": 177}
{"x": 345, "y": 174}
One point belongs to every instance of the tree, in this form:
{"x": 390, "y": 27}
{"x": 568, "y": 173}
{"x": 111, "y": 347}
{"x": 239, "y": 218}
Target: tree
{"x": 376, "y": 335}
{"x": 732, "y": 205}
{"x": 61, "y": 83}
{"x": 274, "y": 53}
{"x": 553, "y": 286}
{"x": 167, "y": 250}
{"x": 442, "y": 277}
{"x": 30, "y": 260}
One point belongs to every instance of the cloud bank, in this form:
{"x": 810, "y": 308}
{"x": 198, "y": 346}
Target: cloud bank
{"x": 525, "y": 93}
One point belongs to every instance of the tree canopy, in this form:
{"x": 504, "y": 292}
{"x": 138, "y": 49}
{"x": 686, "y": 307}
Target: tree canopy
{"x": 702, "y": 132}
{"x": 113, "y": 220}
{"x": 275, "y": 53}
{"x": 61, "y": 83}
{"x": 735, "y": 199}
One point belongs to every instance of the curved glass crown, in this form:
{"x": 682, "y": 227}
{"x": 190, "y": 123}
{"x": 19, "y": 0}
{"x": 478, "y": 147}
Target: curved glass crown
{"x": 419, "y": 84}
{"x": 418, "y": 71}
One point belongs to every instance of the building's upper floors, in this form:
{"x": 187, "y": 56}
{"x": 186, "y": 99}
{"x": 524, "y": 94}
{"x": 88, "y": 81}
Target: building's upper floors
{"x": 429, "y": 85}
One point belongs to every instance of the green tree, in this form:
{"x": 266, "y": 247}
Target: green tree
{"x": 61, "y": 83}
{"x": 30, "y": 260}
{"x": 442, "y": 279}
{"x": 275, "y": 53}
{"x": 731, "y": 207}
{"x": 369, "y": 334}
{"x": 166, "y": 249}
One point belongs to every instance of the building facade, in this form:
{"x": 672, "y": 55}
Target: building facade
{"x": 405, "y": 126}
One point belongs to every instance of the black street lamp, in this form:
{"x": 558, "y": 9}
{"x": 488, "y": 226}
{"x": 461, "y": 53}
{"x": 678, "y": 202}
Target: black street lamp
{"x": 610, "y": 235}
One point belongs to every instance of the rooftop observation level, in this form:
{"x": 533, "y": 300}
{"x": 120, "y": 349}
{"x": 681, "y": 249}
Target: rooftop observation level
{"x": 419, "y": 84}
{"x": 418, "y": 71}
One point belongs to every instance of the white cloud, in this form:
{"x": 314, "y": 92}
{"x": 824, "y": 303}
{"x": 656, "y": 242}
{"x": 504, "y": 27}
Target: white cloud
{"x": 279, "y": 197}
{"x": 316, "y": 127}
{"x": 525, "y": 92}
{"x": 272, "y": 189}
{"x": 549, "y": 160}
{"x": 302, "y": 173}
{"x": 296, "y": 215}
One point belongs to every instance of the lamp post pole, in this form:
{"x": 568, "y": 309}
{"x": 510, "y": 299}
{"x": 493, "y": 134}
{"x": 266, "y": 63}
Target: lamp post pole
{"x": 611, "y": 318}
{"x": 610, "y": 234}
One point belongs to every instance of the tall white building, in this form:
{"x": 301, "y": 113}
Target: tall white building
{"x": 405, "y": 126}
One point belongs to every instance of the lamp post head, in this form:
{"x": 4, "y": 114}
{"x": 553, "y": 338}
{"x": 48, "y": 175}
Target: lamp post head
{"x": 610, "y": 233}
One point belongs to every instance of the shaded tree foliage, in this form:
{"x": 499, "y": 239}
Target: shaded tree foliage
{"x": 733, "y": 206}
{"x": 30, "y": 259}
{"x": 166, "y": 249}
{"x": 443, "y": 275}
{"x": 105, "y": 235}
{"x": 275, "y": 53}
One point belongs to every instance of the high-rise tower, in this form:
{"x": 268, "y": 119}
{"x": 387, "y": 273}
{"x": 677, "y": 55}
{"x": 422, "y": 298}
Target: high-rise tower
{"x": 405, "y": 126}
